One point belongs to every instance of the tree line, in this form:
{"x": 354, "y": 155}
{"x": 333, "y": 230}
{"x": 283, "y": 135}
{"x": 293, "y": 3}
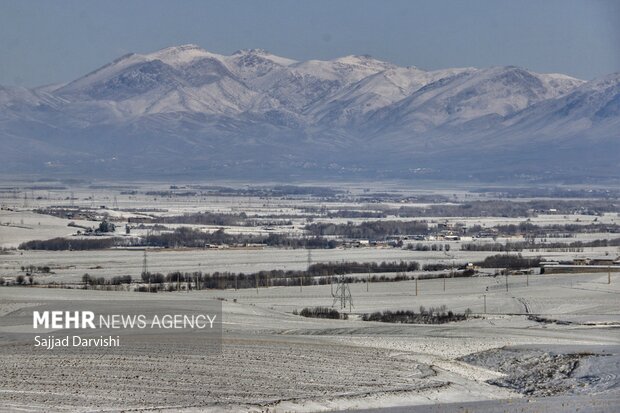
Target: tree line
{"x": 431, "y": 316}
{"x": 204, "y": 218}
{"x": 514, "y": 262}
{"x": 501, "y": 208}
{"x": 369, "y": 230}
{"x": 526, "y": 245}
{"x": 346, "y": 267}
{"x": 77, "y": 244}
{"x": 181, "y": 237}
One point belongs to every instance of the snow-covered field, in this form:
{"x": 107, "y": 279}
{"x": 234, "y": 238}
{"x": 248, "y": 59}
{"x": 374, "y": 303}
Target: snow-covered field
{"x": 69, "y": 266}
{"x": 274, "y": 359}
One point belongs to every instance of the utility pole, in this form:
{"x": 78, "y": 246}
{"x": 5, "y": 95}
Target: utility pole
{"x": 416, "y": 286}
{"x": 608, "y": 275}
{"x": 368, "y": 280}
{"x": 527, "y": 279}
{"x": 506, "y": 282}
{"x": 485, "y": 303}
{"x": 199, "y": 277}
{"x": 256, "y": 279}
{"x": 444, "y": 283}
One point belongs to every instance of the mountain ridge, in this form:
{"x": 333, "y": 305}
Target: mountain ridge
{"x": 354, "y": 116}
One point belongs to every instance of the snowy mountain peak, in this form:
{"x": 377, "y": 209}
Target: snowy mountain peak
{"x": 257, "y": 57}
{"x": 181, "y": 55}
{"x": 252, "y": 51}
{"x": 363, "y": 60}
{"x": 188, "y": 101}
{"x": 180, "y": 49}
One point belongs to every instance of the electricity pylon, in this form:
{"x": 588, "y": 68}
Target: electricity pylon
{"x": 343, "y": 294}
{"x": 145, "y": 270}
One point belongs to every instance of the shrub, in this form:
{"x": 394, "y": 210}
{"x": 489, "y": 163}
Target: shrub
{"x": 322, "y": 312}
{"x": 516, "y": 262}
{"x": 430, "y": 316}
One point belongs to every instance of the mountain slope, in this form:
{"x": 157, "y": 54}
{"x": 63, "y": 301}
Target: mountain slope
{"x": 185, "y": 111}
{"x": 484, "y": 96}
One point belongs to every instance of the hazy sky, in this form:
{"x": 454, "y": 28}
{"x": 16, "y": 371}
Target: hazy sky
{"x": 45, "y": 42}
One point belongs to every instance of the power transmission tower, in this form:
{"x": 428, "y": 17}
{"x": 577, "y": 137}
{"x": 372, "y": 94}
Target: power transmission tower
{"x": 115, "y": 204}
{"x": 145, "y": 270}
{"x": 343, "y": 294}
{"x": 307, "y": 271}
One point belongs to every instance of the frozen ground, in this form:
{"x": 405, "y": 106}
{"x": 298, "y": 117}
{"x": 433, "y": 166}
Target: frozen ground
{"x": 551, "y": 370}
{"x": 550, "y": 346}
{"x": 69, "y": 266}
{"x": 275, "y": 360}
{"x": 20, "y": 226}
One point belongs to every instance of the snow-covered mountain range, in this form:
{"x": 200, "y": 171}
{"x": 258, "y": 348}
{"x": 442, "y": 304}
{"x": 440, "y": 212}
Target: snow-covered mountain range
{"x": 184, "y": 111}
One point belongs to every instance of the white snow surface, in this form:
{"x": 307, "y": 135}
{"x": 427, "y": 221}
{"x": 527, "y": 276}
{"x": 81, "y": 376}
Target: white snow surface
{"x": 356, "y": 113}
{"x": 188, "y": 78}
